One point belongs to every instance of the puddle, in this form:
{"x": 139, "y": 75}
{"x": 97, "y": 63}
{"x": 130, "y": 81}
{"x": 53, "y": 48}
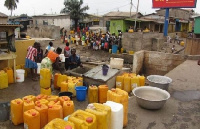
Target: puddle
{"x": 185, "y": 96}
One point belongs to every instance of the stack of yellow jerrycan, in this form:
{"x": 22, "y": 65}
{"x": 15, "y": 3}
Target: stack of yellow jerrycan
{"x": 43, "y": 110}
{"x": 83, "y": 120}
{"x": 9, "y": 71}
{"x": 58, "y": 123}
{"x": 93, "y": 94}
{"x": 45, "y": 81}
{"x": 120, "y": 96}
{"x": 4, "y": 80}
{"x": 16, "y": 109}
{"x": 129, "y": 81}
{"x": 102, "y": 113}
{"x": 32, "y": 119}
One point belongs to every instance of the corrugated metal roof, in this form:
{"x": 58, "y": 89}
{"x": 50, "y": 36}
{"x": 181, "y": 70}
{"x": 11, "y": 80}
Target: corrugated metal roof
{"x": 51, "y": 15}
{"x": 3, "y": 15}
{"x": 119, "y": 14}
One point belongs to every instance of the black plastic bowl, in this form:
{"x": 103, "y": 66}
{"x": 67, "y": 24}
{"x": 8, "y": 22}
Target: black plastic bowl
{"x": 69, "y": 94}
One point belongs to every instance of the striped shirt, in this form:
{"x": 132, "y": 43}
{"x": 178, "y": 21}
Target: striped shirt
{"x": 31, "y": 53}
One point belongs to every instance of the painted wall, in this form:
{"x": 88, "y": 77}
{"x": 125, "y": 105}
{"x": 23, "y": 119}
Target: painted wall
{"x": 197, "y": 25}
{"x": 60, "y": 20}
{"x": 116, "y": 25}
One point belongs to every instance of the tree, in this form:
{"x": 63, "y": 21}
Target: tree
{"x": 11, "y": 5}
{"x": 75, "y": 10}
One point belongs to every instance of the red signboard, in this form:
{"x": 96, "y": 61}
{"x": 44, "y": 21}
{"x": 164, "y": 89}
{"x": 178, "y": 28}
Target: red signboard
{"x": 174, "y": 3}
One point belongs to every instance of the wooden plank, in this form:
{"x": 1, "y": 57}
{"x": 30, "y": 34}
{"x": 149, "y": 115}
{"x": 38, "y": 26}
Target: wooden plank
{"x": 188, "y": 47}
{"x": 194, "y": 47}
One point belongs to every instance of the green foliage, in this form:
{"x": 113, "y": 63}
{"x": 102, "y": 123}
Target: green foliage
{"x": 11, "y": 4}
{"x": 75, "y": 9}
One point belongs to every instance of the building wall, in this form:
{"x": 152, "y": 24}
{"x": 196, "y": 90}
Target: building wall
{"x": 157, "y": 63}
{"x": 116, "y": 25}
{"x": 192, "y": 46}
{"x": 139, "y": 41}
{"x": 176, "y": 13}
{"x": 62, "y": 21}
{"x": 3, "y": 20}
{"x": 197, "y": 25}
{"x": 44, "y": 31}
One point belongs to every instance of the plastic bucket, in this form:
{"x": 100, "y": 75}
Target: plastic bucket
{"x": 105, "y": 69}
{"x": 69, "y": 94}
{"x": 81, "y": 93}
{"x": 38, "y": 69}
{"x": 20, "y": 75}
{"x": 114, "y": 49}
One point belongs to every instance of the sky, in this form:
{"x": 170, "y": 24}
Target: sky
{"x": 97, "y": 7}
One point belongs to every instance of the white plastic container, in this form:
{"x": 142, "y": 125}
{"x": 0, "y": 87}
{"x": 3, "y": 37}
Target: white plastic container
{"x": 20, "y": 75}
{"x": 39, "y": 67}
{"x": 62, "y": 57}
{"x": 116, "y": 114}
{"x": 116, "y": 63}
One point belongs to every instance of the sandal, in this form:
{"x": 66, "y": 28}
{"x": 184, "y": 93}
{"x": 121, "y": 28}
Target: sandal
{"x": 34, "y": 79}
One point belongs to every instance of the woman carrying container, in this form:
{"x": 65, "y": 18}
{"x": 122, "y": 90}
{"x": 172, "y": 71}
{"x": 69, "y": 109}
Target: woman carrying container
{"x": 52, "y": 60}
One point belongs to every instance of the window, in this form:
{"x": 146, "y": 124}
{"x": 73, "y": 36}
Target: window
{"x": 95, "y": 22}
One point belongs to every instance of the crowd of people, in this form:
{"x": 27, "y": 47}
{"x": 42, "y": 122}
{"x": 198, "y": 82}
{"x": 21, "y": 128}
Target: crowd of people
{"x": 95, "y": 41}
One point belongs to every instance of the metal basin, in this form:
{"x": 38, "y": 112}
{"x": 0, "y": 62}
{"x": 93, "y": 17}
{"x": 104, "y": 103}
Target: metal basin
{"x": 150, "y": 97}
{"x": 159, "y": 81}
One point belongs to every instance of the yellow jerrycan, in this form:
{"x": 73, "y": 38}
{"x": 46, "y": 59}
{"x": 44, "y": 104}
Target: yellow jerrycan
{"x": 102, "y": 113}
{"x": 68, "y": 108}
{"x": 16, "y": 109}
{"x": 64, "y": 86}
{"x": 9, "y": 72}
{"x": 61, "y": 78}
{"x": 102, "y": 89}
{"x": 120, "y": 96}
{"x": 62, "y": 99}
{"x": 45, "y": 78}
{"x": 31, "y": 119}
{"x": 29, "y": 97}
{"x": 58, "y": 123}
{"x": 83, "y": 120}
{"x": 28, "y": 105}
{"x": 120, "y": 82}
{"x": 93, "y": 94}
{"x": 55, "y": 111}
{"x": 52, "y": 98}
{"x": 4, "y": 80}
{"x": 135, "y": 82}
{"x": 127, "y": 84}
{"x": 43, "y": 110}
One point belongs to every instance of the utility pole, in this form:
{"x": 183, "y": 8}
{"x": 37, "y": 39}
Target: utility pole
{"x": 131, "y": 7}
{"x": 136, "y": 16}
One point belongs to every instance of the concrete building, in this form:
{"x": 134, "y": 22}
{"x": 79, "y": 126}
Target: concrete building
{"x": 117, "y": 15}
{"x": 178, "y": 19}
{"x": 197, "y": 25}
{"x": 62, "y": 20}
{"x": 3, "y": 18}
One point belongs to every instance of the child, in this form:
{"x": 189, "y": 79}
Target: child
{"x": 30, "y": 60}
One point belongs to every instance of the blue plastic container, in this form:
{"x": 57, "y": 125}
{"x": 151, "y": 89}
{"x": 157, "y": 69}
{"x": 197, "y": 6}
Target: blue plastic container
{"x": 81, "y": 93}
{"x": 114, "y": 49}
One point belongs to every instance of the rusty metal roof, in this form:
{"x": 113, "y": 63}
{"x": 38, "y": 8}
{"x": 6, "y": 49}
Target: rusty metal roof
{"x": 9, "y": 25}
{"x": 119, "y": 14}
